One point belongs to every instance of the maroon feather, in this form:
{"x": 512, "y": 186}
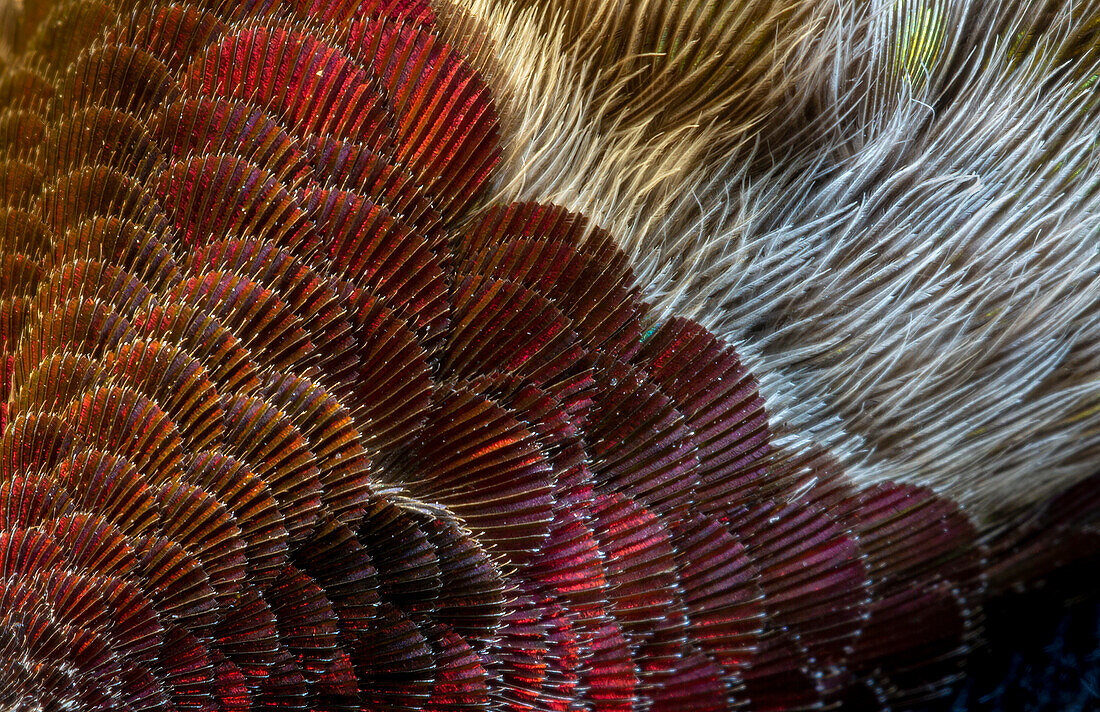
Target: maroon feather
{"x": 294, "y": 418}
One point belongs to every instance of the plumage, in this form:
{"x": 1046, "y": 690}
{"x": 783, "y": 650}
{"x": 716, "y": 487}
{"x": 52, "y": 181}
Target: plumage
{"x": 500, "y": 356}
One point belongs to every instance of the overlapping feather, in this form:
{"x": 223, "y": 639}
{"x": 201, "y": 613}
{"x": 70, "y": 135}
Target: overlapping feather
{"x": 295, "y": 418}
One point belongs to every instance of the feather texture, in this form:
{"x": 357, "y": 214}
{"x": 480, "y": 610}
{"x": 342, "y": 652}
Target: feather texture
{"x": 899, "y": 239}
{"x": 320, "y": 393}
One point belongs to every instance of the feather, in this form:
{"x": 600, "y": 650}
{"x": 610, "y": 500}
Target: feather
{"x": 486, "y": 356}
